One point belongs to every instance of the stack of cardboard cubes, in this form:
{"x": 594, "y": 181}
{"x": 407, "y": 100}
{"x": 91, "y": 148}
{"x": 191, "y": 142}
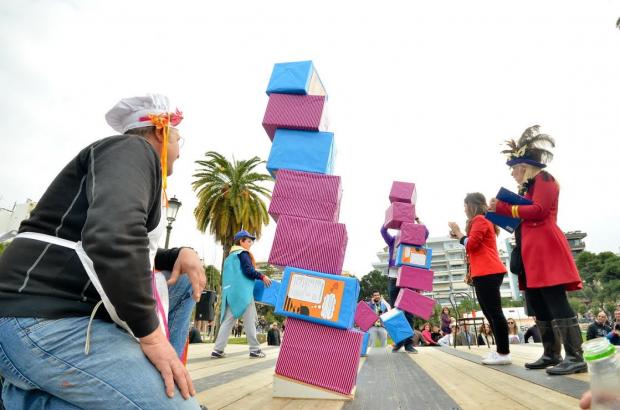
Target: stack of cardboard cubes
{"x": 412, "y": 258}
{"x": 319, "y": 356}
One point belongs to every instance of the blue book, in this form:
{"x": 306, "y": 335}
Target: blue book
{"x": 511, "y": 198}
{"x": 507, "y": 223}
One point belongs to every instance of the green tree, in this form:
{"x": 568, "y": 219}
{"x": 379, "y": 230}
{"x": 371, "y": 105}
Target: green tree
{"x": 214, "y": 277}
{"x": 230, "y": 198}
{"x": 373, "y": 280}
{"x": 601, "y": 276}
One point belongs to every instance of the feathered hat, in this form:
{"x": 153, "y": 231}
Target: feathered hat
{"x": 532, "y": 148}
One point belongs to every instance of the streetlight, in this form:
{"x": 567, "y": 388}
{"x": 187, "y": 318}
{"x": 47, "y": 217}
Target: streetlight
{"x": 171, "y": 215}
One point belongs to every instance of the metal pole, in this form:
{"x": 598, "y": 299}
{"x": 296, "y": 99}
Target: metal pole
{"x": 168, "y": 229}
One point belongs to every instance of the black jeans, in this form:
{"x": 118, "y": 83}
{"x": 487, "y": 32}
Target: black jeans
{"x": 549, "y": 303}
{"x": 393, "y": 294}
{"x": 487, "y": 290}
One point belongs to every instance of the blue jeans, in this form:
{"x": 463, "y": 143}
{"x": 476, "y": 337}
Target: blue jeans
{"x": 44, "y": 365}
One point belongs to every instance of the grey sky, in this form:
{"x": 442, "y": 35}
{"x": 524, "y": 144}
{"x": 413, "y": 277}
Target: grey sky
{"x": 419, "y": 91}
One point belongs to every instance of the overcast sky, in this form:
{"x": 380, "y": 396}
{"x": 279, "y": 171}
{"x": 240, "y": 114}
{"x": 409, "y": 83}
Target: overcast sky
{"x": 419, "y": 91}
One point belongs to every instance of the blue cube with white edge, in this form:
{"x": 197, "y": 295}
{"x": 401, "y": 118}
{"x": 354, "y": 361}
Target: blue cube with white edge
{"x": 416, "y": 256}
{"x": 306, "y": 151}
{"x": 299, "y": 77}
{"x": 264, "y": 295}
{"x": 318, "y": 297}
{"x": 396, "y": 325}
{"x": 365, "y": 344}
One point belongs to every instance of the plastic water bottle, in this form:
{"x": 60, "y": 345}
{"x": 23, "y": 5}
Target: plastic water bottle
{"x": 605, "y": 373}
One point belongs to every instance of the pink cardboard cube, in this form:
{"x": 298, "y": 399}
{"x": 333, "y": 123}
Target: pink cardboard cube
{"x": 415, "y": 278}
{"x": 320, "y": 355}
{"x": 412, "y": 234}
{"x": 306, "y": 195}
{"x": 414, "y": 303}
{"x": 309, "y": 244}
{"x": 398, "y": 213}
{"x": 403, "y": 192}
{"x": 365, "y": 317}
{"x": 296, "y": 112}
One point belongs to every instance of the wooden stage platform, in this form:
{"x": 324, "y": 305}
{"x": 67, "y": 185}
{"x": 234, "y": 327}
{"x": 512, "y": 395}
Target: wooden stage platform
{"x": 436, "y": 378}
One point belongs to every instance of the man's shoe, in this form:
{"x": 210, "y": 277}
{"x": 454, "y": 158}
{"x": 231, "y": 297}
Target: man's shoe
{"x": 496, "y": 358}
{"x": 217, "y": 354}
{"x": 411, "y": 349}
{"x": 395, "y": 349}
{"x": 257, "y": 354}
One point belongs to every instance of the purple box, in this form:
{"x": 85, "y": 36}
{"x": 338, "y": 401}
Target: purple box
{"x": 295, "y": 112}
{"x": 309, "y": 244}
{"x": 398, "y": 213}
{"x": 414, "y": 303}
{"x": 306, "y": 195}
{"x": 415, "y": 278}
{"x": 365, "y": 317}
{"x": 403, "y": 192}
{"x": 411, "y": 234}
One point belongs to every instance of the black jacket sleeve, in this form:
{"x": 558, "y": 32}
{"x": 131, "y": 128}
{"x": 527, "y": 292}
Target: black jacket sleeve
{"x": 165, "y": 258}
{"x": 123, "y": 186}
{"x": 247, "y": 268}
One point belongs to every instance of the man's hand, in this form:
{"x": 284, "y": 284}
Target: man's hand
{"x": 189, "y": 263}
{"x": 159, "y": 351}
{"x": 492, "y": 204}
{"x": 266, "y": 281}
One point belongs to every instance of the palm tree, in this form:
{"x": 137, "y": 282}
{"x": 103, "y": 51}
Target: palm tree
{"x": 230, "y": 198}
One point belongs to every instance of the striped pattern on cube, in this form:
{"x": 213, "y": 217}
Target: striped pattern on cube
{"x": 306, "y": 195}
{"x": 414, "y": 303}
{"x": 398, "y": 213}
{"x": 365, "y": 317}
{"x": 297, "y": 112}
{"x": 403, "y": 192}
{"x": 309, "y": 244}
{"x": 415, "y": 278}
{"x": 319, "y": 355}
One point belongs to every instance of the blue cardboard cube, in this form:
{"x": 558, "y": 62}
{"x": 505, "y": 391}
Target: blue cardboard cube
{"x": 318, "y": 297}
{"x": 266, "y": 296}
{"x": 299, "y": 77}
{"x": 416, "y": 256}
{"x": 396, "y": 325}
{"x": 365, "y": 344}
{"x": 306, "y": 151}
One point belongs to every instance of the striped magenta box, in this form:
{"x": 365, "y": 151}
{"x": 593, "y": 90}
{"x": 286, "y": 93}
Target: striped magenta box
{"x": 295, "y": 112}
{"x": 320, "y": 355}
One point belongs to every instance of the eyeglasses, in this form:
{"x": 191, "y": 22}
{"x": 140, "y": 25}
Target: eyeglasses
{"x": 511, "y": 323}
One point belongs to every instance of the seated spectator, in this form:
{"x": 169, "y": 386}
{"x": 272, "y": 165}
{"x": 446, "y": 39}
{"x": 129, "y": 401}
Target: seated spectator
{"x": 514, "y": 334}
{"x": 448, "y": 338}
{"x": 534, "y": 333}
{"x": 614, "y": 335}
{"x": 435, "y": 333}
{"x": 273, "y": 335}
{"x": 485, "y": 335}
{"x": 599, "y": 327}
{"x": 465, "y": 337}
{"x": 427, "y": 338}
{"x": 377, "y": 331}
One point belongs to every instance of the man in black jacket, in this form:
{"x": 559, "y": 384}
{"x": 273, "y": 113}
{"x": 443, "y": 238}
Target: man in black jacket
{"x": 599, "y": 327}
{"x": 92, "y": 241}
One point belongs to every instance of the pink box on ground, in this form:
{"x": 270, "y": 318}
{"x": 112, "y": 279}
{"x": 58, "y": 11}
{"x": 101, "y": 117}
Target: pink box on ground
{"x": 415, "y": 278}
{"x": 398, "y": 213}
{"x": 296, "y": 112}
{"x": 414, "y": 303}
{"x": 365, "y": 317}
{"x": 403, "y": 192}
{"x": 320, "y": 355}
{"x": 306, "y": 195}
{"x": 412, "y": 234}
{"x": 309, "y": 244}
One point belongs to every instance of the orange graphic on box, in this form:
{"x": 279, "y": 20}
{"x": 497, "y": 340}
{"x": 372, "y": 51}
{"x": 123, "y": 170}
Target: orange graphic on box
{"x": 413, "y": 255}
{"x": 314, "y": 296}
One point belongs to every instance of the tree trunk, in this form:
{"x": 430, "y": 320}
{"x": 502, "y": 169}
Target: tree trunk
{"x": 218, "y": 304}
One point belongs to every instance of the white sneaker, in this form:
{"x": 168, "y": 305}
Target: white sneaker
{"x": 496, "y": 358}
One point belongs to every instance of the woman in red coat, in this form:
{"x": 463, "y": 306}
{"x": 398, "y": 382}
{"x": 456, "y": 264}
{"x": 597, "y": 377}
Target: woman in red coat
{"x": 486, "y": 269}
{"x": 547, "y": 270}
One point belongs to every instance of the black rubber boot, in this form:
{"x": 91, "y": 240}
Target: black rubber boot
{"x": 571, "y": 339}
{"x": 551, "y": 344}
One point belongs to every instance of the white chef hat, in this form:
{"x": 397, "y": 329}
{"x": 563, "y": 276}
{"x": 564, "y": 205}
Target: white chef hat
{"x": 137, "y": 112}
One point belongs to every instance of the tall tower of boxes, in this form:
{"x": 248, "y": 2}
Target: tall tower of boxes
{"x": 319, "y": 356}
{"x": 413, "y": 259}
